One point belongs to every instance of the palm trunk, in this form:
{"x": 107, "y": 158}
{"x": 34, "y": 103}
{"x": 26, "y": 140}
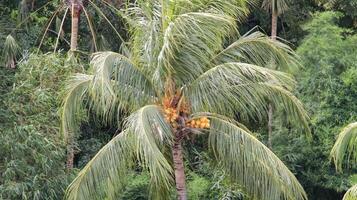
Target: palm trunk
{"x": 179, "y": 168}
{"x": 274, "y": 23}
{"x": 76, "y": 9}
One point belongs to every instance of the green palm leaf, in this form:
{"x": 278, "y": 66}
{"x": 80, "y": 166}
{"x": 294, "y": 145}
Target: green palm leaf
{"x": 76, "y": 91}
{"x": 116, "y": 82}
{"x": 257, "y": 48}
{"x": 239, "y": 87}
{"x": 107, "y": 169}
{"x": 192, "y": 39}
{"x": 146, "y": 134}
{"x": 250, "y": 163}
{"x": 235, "y": 8}
{"x": 152, "y": 133}
{"x": 345, "y": 147}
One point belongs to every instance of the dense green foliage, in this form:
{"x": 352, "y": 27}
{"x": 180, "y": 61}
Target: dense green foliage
{"x": 328, "y": 89}
{"x": 33, "y": 155}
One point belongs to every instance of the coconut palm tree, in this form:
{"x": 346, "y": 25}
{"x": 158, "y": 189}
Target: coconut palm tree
{"x": 185, "y": 71}
{"x": 76, "y": 8}
{"x": 345, "y": 148}
{"x": 276, "y": 7}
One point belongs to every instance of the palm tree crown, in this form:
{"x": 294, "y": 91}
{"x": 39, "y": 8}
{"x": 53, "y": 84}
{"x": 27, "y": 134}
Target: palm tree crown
{"x": 185, "y": 71}
{"x": 275, "y": 6}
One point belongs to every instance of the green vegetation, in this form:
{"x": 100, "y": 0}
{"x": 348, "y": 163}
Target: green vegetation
{"x": 78, "y": 125}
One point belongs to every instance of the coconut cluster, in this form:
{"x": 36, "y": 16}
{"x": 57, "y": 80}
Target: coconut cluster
{"x": 202, "y": 122}
{"x": 170, "y": 114}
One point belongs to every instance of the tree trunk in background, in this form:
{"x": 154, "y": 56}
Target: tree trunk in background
{"x": 76, "y": 10}
{"x": 70, "y": 157}
{"x": 32, "y": 5}
{"x": 179, "y": 168}
{"x": 274, "y": 29}
{"x": 274, "y": 25}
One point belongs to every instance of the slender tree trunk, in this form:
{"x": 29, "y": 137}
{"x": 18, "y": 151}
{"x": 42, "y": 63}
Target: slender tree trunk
{"x": 274, "y": 24}
{"x": 179, "y": 168}
{"x": 33, "y": 5}
{"x": 76, "y": 10}
{"x": 70, "y": 157}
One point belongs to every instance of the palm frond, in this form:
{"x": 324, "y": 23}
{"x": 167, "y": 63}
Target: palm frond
{"x": 345, "y": 147}
{"x": 152, "y": 132}
{"x": 231, "y": 88}
{"x": 291, "y": 105}
{"x": 116, "y": 82}
{"x": 351, "y": 193}
{"x": 76, "y": 91}
{"x": 234, "y": 8}
{"x": 259, "y": 49}
{"x": 10, "y": 52}
{"x": 107, "y": 169}
{"x": 60, "y": 28}
{"x": 144, "y": 136}
{"x": 250, "y": 163}
{"x": 190, "y": 41}
{"x": 275, "y": 6}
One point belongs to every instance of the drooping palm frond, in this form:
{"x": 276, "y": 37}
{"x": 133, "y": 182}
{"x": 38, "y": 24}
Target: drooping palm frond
{"x": 193, "y": 31}
{"x": 250, "y": 163}
{"x": 10, "y": 52}
{"x": 275, "y": 6}
{"x": 351, "y": 193}
{"x": 257, "y": 48}
{"x": 60, "y": 29}
{"x": 116, "y": 82}
{"x": 152, "y": 133}
{"x": 291, "y": 105}
{"x": 345, "y": 147}
{"x": 107, "y": 169}
{"x": 146, "y": 133}
{"x": 76, "y": 90}
{"x": 190, "y": 41}
{"x": 91, "y": 28}
{"x": 216, "y": 90}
